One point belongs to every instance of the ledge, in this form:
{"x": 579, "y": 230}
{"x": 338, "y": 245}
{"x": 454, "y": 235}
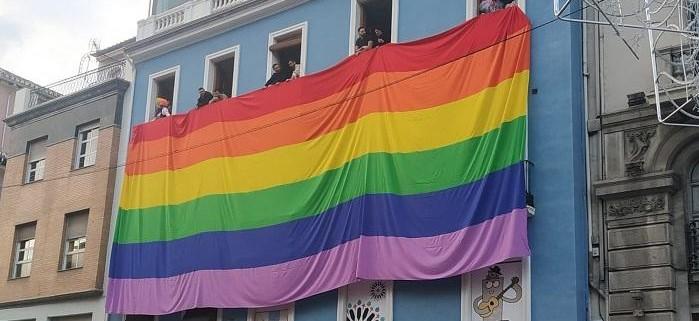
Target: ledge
{"x": 53, "y": 298}
{"x": 54, "y": 105}
{"x": 631, "y": 186}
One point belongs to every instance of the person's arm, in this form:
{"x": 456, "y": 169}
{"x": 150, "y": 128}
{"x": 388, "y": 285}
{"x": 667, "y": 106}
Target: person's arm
{"x": 269, "y": 81}
{"x": 165, "y": 111}
{"x": 370, "y": 44}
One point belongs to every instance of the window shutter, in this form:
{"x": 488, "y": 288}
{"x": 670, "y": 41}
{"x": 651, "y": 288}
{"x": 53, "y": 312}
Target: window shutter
{"x": 37, "y": 149}
{"x": 25, "y": 232}
{"x": 76, "y": 225}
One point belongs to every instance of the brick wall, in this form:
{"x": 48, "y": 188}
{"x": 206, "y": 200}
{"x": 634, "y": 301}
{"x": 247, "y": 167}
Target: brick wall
{"x": 63, "y": 190}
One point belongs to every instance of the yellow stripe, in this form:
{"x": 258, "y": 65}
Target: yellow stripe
{"x": 397, "y": 132}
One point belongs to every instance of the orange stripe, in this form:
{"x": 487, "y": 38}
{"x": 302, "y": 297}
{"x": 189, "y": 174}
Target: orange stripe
{"x": 416, "y": 90}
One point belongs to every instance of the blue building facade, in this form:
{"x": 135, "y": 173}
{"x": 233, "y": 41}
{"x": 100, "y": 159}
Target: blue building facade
{"x": 176, "y": 58}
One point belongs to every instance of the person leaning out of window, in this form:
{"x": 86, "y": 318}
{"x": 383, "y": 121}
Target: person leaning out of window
{"x": 218, "y": 95}
{"x": 364, "y": 41}
{"x": 277, "y": 76}
{"x": 204, "y": 97}
{"x": 162, "y": 108}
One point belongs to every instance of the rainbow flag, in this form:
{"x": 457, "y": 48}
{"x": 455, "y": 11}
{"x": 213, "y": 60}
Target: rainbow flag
{"x": 401, "y": 163}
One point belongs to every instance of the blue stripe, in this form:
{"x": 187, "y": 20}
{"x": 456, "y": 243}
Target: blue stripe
{"x": 419, "y": 215}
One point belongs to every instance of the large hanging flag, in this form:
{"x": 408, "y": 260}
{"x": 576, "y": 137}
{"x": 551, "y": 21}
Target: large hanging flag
{"x": 402, "y": 163}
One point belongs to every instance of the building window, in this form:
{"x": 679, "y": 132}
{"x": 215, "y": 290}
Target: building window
{"x": 74, "y": 240}
{"x": 221, "y": 71}
{"x": 24, "y": 250}
{"x": 372, "y": 15}
{"x": 281, "y": 313}
{"x": 498, "y": 292}
{"x": 36, "y": 160}
{"x": 484, "y": 6}
{"x": 81, "y": 317}
{"x": 203, "y": 314}
{"x": 285, "y": 45}
{"x": 366, "y": 300}
{"x": 139, "y": 318}
{"x": 86, "y": 149}
{"x": 163, "y": 84}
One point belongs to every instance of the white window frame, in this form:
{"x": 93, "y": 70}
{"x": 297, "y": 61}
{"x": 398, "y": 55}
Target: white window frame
{"x": 152, "y": 92}
{"x": 303, "y": 26}
{"x": 16, "y": 261}
{"x": 526, "y": 295}
{"x": 354, "y": 22}
{"x": 79, "y": 142}
{"x": 290, "y": 307}
{"x": 472, "y": 7}
{"x": 209, "y": 66}
{"x": 342, "y": 301}
{"x": 66, "y": 253}
{"x": 40, "y": 169}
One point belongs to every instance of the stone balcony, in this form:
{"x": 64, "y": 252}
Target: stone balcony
{"x": 180, "y": 15}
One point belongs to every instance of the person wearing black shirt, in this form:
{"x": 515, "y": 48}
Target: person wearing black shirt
{"x": 278, "y": 76}
{"x": 364, "y": 41}
{"x": 379, "y": 38}
{"x": 204, "y": 97}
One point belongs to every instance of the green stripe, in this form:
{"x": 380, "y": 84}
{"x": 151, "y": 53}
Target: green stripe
{"x": 402, "y": 174}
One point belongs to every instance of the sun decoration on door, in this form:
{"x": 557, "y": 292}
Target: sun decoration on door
{"x": 368, "y": 310}
{"x": 377, "y": 291}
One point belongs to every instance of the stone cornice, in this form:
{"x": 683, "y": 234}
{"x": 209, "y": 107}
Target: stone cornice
{"x": 55, "y": 105}
{"x": 639, "y": 185}
{"x": 53, "y": 298}
{"x": 207, "y": 27}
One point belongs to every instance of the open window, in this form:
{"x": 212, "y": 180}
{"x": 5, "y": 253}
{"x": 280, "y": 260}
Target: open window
{"x": 221, "y": 71}
{"x": 285, "y": 45}
{"x": 163, "y": 84}
{"x": 36, "y": 160}
{"x": 372, "y": 15}
{"x": 476, "y": 7}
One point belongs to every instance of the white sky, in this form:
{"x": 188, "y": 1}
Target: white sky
{"x": 44, "y": 40}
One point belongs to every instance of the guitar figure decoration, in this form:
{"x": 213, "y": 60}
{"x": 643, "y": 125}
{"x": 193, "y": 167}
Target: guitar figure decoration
{"x": 489, "y": 304}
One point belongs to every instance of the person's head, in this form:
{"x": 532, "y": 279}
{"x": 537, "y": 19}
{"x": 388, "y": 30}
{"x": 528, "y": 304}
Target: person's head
{"x": 378, "y": 32}
{"x": 292, "y": 64}
{"x": 276, "y": 68}
{"x": 201, "y": 91}
{"x": 361, "y": 31}
{"x": 162, "y": 102}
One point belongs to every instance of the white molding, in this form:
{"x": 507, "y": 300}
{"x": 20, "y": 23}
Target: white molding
{"x": 290, "y": 307}
{"x": 354, "y": 18}
{"x": 209, "y": 64}
{"x": 151, "y": 93}
{"x": 466, "y": 296}
{"x": 472, "y": 7}
{"x": 342, "y": 300}
{"x": 303, "y": 26}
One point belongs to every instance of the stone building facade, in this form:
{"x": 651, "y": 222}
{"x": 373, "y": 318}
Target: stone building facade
{"x": 643, "y": 189}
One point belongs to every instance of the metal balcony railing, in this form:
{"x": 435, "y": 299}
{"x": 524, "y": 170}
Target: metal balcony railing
{"x": 76, "y": 83}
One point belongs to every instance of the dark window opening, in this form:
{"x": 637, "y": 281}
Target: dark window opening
{"x": 223, "y": 75}
{"x": 376, "y": 14}
{"x": 165, "y": 87}
{"x": 139, "y": 318}
{"x": 204, "y": 314}
{"x": 287, "y": 47}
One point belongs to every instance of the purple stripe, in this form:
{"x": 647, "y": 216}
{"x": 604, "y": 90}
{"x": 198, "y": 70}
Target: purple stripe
{"x": 376, "y": 257}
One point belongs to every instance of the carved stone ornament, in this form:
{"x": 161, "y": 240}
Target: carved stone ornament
{"x": 636, "y": 205}
{"x": 637, "y": 144}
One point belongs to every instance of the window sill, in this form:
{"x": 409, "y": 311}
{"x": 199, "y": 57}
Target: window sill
{"x": 18, "y": 278}
{"x": 75, "y": 169}
{"x": 34, "y": 181}
{"x": 71, "y": 269}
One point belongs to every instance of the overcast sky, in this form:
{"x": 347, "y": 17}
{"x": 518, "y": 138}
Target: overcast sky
{"x": 43, "y": 40}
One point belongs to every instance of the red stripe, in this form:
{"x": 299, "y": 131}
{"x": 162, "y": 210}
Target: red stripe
{"x": 467, "y": 38}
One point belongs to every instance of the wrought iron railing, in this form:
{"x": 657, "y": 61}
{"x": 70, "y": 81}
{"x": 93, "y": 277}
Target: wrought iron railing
{"x": 77, "y": 83}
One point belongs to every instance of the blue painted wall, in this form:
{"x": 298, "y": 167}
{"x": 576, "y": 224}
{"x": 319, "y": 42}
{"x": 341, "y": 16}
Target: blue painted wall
{"x": 556, "y": 141}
